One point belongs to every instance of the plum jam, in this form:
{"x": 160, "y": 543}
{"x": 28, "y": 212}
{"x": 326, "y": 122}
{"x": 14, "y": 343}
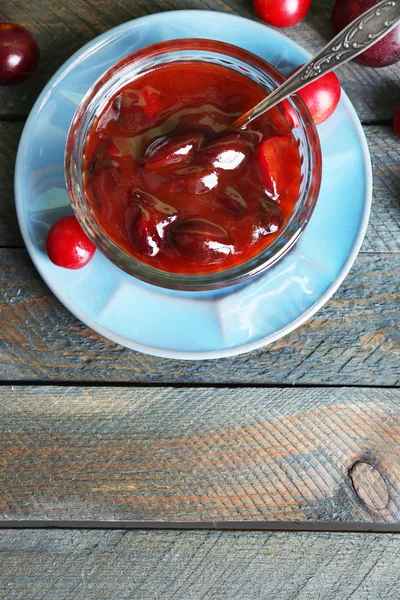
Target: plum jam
{"x": 174, "y": 186}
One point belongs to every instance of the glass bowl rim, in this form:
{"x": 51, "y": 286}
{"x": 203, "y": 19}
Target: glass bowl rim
{"x": 141, "y": 270}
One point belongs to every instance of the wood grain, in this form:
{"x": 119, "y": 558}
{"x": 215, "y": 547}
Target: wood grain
{"x": 62, "y": 28}
{"x": 198, "y": 565}
{"x": 354, "y": 339}
{"x": 383, "y": 233}
{"x": 305, "y": 454}
{"x": 369, "y": 485}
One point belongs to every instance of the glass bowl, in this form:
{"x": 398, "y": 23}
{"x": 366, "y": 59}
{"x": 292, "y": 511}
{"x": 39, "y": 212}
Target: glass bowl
{"x": 134, "y": 66}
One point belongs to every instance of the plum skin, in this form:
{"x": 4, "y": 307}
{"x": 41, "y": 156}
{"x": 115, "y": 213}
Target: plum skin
{"x": 19, "y": 54}
{"x": 382, "y": 54}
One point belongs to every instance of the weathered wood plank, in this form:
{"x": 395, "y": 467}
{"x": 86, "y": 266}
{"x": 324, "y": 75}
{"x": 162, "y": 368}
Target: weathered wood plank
{"x": 353, "y": 339}
{"x": 88, "y": 565}
{"x": 165, "y": 454}
{"x": 61, "y": 28}
{"x": 383, "y": 234}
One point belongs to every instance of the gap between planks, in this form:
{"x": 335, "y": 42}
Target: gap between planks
{"x": 182, "y": 385}
{"x": 292, "y": 526}
{"x": 13, "y": 118}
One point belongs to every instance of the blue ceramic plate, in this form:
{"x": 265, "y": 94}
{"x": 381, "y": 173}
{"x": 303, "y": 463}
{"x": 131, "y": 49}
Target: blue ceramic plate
{"x": 180, "y": 324}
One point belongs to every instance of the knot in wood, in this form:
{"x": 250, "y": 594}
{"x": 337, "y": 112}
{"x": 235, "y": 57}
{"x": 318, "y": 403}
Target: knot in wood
{"x": 369, "y": 485}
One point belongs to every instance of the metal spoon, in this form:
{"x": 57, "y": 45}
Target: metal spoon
{"x": 359, "y": 35}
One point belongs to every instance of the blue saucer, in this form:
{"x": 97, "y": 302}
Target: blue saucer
{"x": 178, "y": 324}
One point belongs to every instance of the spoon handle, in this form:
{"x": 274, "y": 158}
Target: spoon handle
{"x": 359, "y": 35}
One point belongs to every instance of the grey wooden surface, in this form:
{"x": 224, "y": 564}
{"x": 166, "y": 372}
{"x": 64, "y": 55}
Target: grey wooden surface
{"x": 115, "y": 565}
{"x": 353, "y": 340}
{"x": 202, "y": 454}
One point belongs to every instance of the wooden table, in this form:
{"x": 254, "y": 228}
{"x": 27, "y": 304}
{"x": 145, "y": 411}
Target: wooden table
{"x": 253, "y": 477}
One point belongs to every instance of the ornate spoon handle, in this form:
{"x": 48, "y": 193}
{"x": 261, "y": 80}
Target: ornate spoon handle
{"x": 359, "y": 35}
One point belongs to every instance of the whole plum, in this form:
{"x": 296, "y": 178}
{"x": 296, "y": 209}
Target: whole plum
{"x": 383, "y": 53}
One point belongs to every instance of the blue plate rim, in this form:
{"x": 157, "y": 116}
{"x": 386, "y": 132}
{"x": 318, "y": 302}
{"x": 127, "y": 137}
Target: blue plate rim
{"x": 162, "y": 352}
